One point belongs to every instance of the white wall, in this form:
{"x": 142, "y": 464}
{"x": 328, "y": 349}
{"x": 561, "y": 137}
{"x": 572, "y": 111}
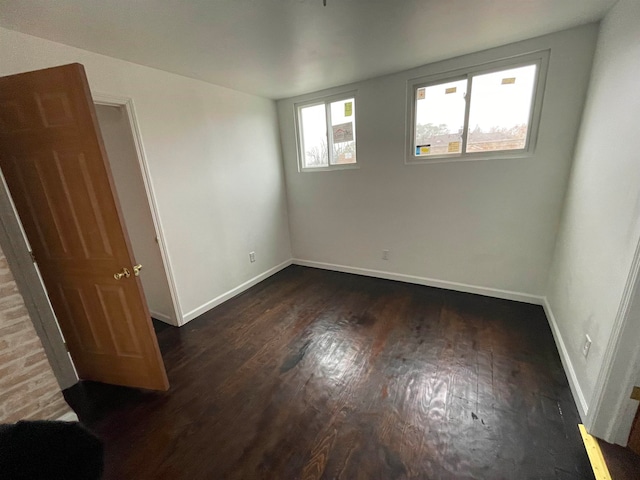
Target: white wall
{"x": 484, "y": 226}
{"x": 127, "y": 176}
{"x": 601, "y": 221}
{"x": 214, "y": 162}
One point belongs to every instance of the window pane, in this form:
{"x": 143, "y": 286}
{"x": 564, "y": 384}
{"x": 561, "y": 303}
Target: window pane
{"x": 314, "y": 136}
{"x": 500, "y": 109}
{"x": 343, "y": 129}
{"x": 439, "y": 118}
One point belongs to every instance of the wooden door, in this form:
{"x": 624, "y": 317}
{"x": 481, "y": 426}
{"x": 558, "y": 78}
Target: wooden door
{"x": 55, "y": 165}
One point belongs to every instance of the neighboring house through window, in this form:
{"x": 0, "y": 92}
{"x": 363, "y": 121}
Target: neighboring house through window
{"x": 487, "y": 111}
{"x": 327, "y": 133}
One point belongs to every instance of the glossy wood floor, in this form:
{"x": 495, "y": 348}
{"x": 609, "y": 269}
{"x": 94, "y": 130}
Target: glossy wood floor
{"x": 314, "y": 374}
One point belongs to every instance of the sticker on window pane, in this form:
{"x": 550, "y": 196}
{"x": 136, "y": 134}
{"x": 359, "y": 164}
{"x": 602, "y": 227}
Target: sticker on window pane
{"x": 500, "y": 110}
{"x": 454, "y": 147}
{"x": 420, "y": 95}
{"x": 343, "y": 133}
{"x": 348, "y": 109}
{"x": 343, "y": 130}
{"x": 439, "y": 118}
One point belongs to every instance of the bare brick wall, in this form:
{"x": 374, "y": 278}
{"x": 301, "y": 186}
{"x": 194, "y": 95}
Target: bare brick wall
{"x": 28, "y": 387}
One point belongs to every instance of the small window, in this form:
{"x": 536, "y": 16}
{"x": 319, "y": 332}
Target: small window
{"x": 487, "y": 111}
{"x": 327, "y": 133}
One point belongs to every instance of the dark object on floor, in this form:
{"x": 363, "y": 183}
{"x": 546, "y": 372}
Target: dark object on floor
{"x": 39, "y": 450}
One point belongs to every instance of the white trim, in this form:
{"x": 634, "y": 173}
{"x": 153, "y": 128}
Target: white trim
{"x": 325, "y": 100}
{"x": 576, "y": 390}
{"x": 68, "y": 417}
{"x": 610, "y": 417}
{"x": 233, "y": 292}
{"x": 162, "y": 317}
{"x": 625, "y": 408}
{"x": 429, "y": 282}
{"x": 342, "y": 166}
{"x": 127, "y": 103}
{"x": 25, "y": 272}
{"x": 539, "y": 58}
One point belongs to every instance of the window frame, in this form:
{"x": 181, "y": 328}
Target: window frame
{"x": 326, "y": 101}
{"x": 540, "y": 59}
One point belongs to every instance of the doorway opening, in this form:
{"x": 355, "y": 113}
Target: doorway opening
{"x": 129, "y": 175}
{"x": 131, "y": 188}
{"x": 55, "y": 166}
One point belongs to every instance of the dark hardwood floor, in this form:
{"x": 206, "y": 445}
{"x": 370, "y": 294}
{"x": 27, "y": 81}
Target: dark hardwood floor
{"x": 316, "y": 374}
{"x": 622, "y": 463}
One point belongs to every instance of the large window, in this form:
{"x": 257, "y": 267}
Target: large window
{"x": 483, "y": 112}
{"x": 327, "y": 133}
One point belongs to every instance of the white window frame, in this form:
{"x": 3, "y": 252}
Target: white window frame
{"x": 540, "y": 59}
{"x": 326, "y": 101}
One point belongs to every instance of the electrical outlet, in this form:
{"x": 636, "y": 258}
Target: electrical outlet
{"x": 586, "y": 346}
{"x": 385, "y": 254}
{"x": 252, "y": 257}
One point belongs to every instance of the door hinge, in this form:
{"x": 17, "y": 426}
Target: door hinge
{"x": 33, "y": 257}
{"x": 66, "y": 347}
{"x": 635, "y": 393}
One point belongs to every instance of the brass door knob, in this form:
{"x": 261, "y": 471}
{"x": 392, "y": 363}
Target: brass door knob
{"x": 124, "y": 273}
{"x": 136, "y": 269}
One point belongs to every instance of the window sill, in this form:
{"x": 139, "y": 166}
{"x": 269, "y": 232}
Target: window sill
{"x": 352, "y": 166}
{"x": 468, "y": 158}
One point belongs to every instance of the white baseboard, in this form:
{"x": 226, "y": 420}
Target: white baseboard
{"x": 429, "y": 282}
{"x": 233, "y": 292}
{"x": 162, "y": 317}
{"x": 68, "y": 417}
{"x": 576, "y": 390}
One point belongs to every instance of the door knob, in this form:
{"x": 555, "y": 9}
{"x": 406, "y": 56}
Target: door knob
{"x": 124, "y": 273}
{"x": 136, "y": 269}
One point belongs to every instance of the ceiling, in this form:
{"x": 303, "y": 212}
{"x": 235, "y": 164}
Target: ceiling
{"x": 282, "y": 48}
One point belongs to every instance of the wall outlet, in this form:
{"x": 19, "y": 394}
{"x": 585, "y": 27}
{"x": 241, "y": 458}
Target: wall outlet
{"x": 385, "y": 254}
{"x": 586, "y": 346}
{"x": 252, "y": 257}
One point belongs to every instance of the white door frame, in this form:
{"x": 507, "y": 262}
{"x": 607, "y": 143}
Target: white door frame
{"x": 127, "y": 103}
{"x": 16, "y": 249}
{"x": 612, "y": 412}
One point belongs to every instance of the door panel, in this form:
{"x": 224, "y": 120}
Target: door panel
{"x": 55, "y": 165}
